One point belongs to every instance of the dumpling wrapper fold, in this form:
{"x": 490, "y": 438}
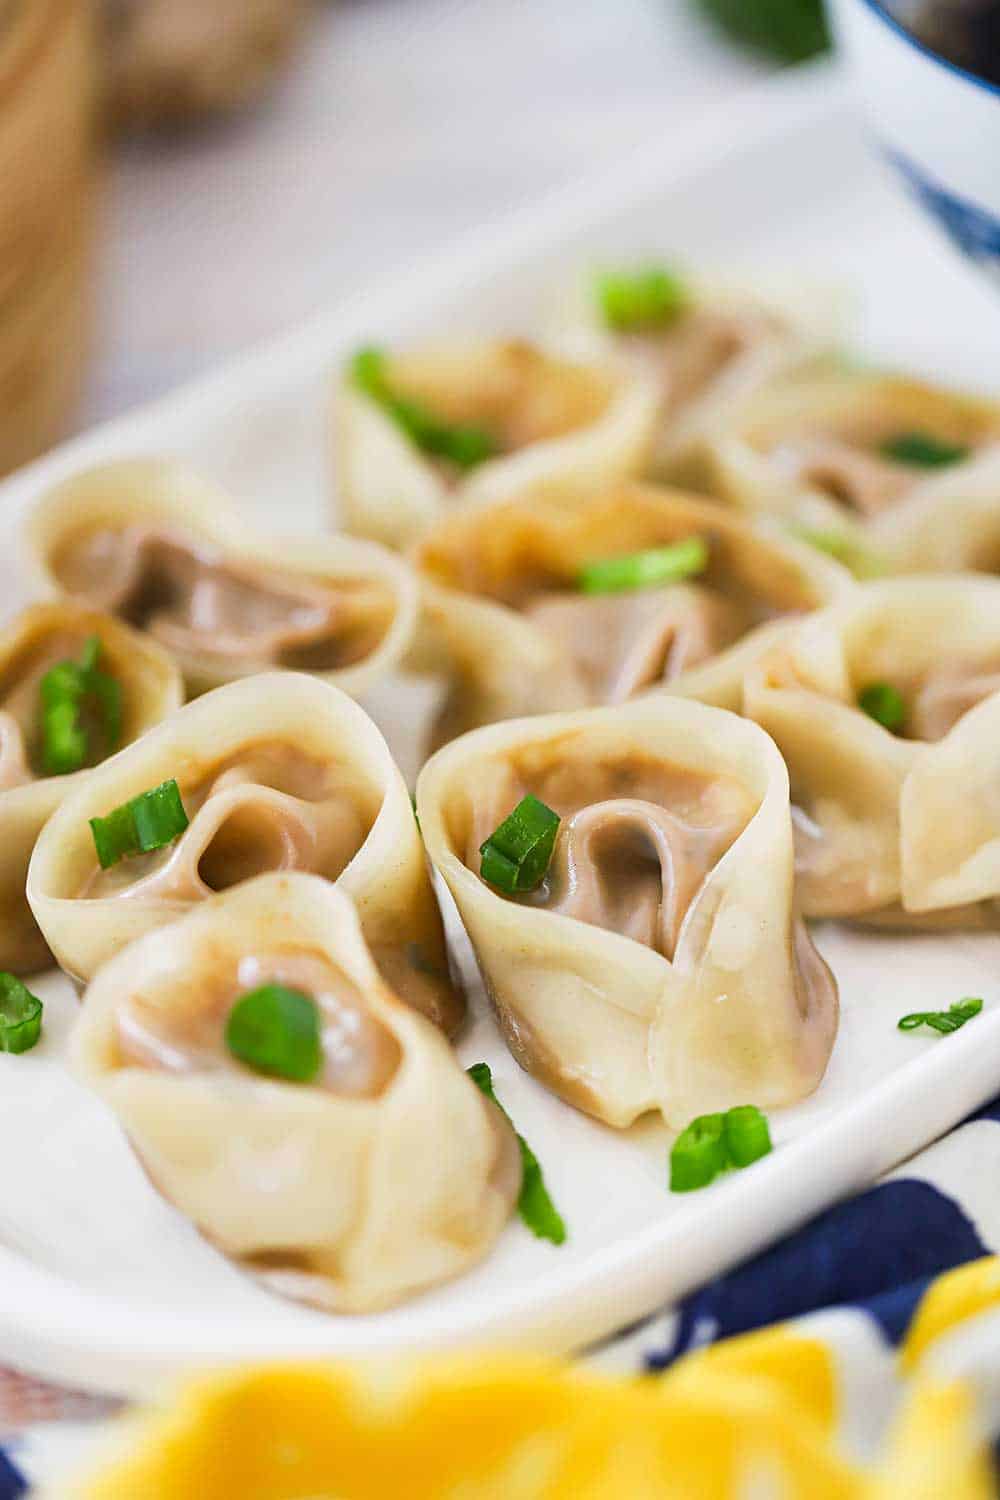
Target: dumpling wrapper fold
{"x": 387, "y": 1174}
{"x": 661, "y": 966}
{"x": 809, "y": 452}
{"x": 523, "y": 560}
{"x": 728, "y": 343}
{"x": 901, "y": 829}
{"x": 577, "y": 424}
{"x": 169, "y": 552}
{"x": 33, "y": 642}
{"x": 277, "y": 772}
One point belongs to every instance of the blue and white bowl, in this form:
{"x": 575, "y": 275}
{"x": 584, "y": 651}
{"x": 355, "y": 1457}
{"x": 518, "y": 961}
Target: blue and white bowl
{"x": 938, "y": 123}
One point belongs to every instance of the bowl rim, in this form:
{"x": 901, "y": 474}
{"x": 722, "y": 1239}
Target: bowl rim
{"x": 889, "y": 20}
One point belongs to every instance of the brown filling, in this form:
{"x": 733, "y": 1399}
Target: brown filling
{"x": 193, "y": 600}
{"x": 20, "y": 709}
{"x": 946, "y": 694}
{"x": 857, "y": 478}
{"x": 360, "y": 1054}
{"x": 636, "y": 841}
{"x": 623, "y": 643}
{"x": 269, "y": 808}
{"x": 518, "y": 394}
{"x": 699, "y": 348}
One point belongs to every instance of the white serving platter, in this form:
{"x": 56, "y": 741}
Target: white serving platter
{"x": 101, "y": 1283}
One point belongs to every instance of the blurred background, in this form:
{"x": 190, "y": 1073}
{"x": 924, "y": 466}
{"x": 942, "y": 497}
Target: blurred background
{"x": 253, "y": 158}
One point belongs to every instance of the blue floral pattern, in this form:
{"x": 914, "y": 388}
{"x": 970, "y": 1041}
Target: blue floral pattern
{"x": 972, "y": 228}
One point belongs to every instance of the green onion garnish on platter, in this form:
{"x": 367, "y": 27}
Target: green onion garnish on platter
{"x": 923, "y": 450}
{"x": 464, "y": 445}
{"x": 150, "y": 821}
{"x": 944, "y": 1021}
{"x": 748, "y": 1135}
{"x": 516, "y": 855}
{"x": 883, "y": 703}
{"x": 641, "y": 301}
{"x": 712, "y": 1144}
{"x": 641, "y": 570}
{"x": 699, "y": 1154}
{"x": 534, "y": 1205}
{"x": 276, "y": 1030}
{"x": 20, "y": 1015}
{"x": 63, "y": 694}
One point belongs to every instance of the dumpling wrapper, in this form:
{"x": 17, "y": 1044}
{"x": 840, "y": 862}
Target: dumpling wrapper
{"x": 525, "y": 557}
{"x": 664, "y": 968}
{"x": 729, "y": 343}
{"x": 30, "y": 644}
{"x": 808, "y": 452}
{"x": 168, "y": 551}
{"x": 386, "y": 1175}
{"x": 277, "y": 772}
{"x": 899, "y": 829}
{"x": 575, "y": 424}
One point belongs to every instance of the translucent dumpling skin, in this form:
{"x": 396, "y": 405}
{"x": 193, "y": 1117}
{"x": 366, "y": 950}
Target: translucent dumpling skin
{"x": 660, "y": 963}
{"x": 394, "y": 1172}
{"x": 280, "y": 772}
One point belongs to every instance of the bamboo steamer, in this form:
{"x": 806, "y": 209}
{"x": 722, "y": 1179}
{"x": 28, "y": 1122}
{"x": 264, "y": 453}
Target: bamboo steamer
{"x": 47, "y": 183}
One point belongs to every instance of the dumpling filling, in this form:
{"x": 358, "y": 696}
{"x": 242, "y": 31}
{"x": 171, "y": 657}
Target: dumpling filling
{"x": 701, "y": 346}
{"x": 861, "y": 480}
{"x": 359, "y": 1054}
{"x": 193, "y": 600}
{"x": 636, "y": 839}
{"x": 624, "y": 643}
{"x": 512, "y": 393}
{"x": 944, "y": 695}
{"x": 21, "y": 752}
{"x": 270, "y": 808}
{"x": 873, "y": 455}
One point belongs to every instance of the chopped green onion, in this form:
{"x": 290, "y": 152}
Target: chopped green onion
{"x": 276, "y": 1030}
{"x": 713, "y": 1143}
{"x": 841, "y": 546}
{"x": 516, "y": 855}
{"x": 63, "y": 691}
{"x": 699, "y": 1154}
{"x": 641, "y": 570}
{"x": 883, "y": 703}
{"x": 944, "y": 1021}
{"x": 748, "y": 1135}
{"x": 463, "y": 445}
{"x": 923, "y": 450}
{"x": 20, "y": 1015}
{"x": 64, "y": 741}
{"x": 368, "y": 372}
{"x": 534, "y": 1205}
{"x": 641, "y": 301}
{"x": 149, "y": 821}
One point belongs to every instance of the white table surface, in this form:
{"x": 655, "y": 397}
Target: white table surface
{"x": 402, "y": 123}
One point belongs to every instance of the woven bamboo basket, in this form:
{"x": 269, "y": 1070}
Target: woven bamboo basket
{"x": 47, "y": 184}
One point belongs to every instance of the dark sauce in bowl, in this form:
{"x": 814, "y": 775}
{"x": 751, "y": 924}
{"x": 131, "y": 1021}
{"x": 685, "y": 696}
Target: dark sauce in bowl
{"x": 966, "y": 32}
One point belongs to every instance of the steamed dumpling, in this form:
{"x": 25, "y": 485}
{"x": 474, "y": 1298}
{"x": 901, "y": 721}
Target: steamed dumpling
{"x": 394, "y": 1172}
{"x": 707, "y": 346}
{"x": 37, "y": 640}
{"x": 895, "y": 818}
{"x": 279, "y": 772}
{"x": 909, "y": 470}
{"x": 170, "y": 554}
{"x": 528, "y": 557}
{"x": 659, "y": 965}
{"x": 481, "y": 422}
